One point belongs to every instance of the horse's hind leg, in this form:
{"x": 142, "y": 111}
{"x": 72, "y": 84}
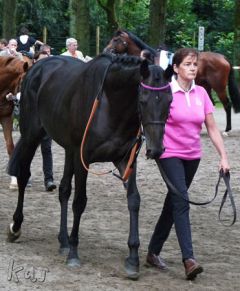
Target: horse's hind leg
{"x": 78, "y": 207}
{"x": 227, "y": 107}
{"x": 7, "y": 125}
{"x": 64, "y": 194}
{"x": 19, "y": 166}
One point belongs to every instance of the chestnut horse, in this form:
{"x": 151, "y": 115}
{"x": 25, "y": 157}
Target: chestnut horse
{"x": 12, "y": 71}
{"x": 214, "y": 70}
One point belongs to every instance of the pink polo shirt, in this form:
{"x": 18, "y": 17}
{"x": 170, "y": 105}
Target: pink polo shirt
{"x": 184, "y": 123}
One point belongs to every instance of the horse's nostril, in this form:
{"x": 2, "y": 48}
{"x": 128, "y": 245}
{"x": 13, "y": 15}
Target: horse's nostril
{"x": 153, "y": 154}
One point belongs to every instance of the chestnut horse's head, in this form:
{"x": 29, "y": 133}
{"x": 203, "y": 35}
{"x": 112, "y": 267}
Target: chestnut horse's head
{"x": 124, "y": 41}
{"x": 12, "y": 71}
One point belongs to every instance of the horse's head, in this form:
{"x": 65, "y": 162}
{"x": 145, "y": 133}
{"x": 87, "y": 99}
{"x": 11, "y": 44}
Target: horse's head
{"x": 12, "y": 73}
{"x": 154, "y": 103}
{"x": 118, "y": 44}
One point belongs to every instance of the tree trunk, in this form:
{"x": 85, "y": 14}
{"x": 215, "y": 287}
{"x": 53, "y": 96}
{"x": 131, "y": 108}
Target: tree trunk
{"x": 79, "y": 24}
{"x": 9, "y": 19}
{"x": 109, "y": 8}
{"x": 157, "y": 27}
{"x": 237, "y": 34}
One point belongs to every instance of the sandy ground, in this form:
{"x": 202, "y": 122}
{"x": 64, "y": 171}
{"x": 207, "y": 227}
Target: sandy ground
{"x": 33, "y": 262}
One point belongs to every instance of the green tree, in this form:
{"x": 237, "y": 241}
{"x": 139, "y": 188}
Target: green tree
{"x": 157, "y": 27}
{"x": 109, "y": 7}
{"x": 79, "y": 23}
{"x": 237, "y": 33}
{"x": 8, "y": 18}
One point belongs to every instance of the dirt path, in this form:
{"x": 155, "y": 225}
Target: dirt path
{"x": 34, "y": 261}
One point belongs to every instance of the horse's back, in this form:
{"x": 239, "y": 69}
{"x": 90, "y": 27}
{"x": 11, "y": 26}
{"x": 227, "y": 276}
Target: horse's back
{"x": 213, "y": 69}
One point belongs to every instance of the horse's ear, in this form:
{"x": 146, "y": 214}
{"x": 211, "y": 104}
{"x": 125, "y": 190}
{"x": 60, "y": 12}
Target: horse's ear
{"x": 168, "y": 72}
{"x": 144, "y": 70}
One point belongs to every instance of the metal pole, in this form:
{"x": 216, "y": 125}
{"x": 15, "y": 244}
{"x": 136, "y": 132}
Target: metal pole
{"x": 97, "y": 39}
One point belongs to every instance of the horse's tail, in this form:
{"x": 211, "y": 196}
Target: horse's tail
{"x": 13, "y": 164}
{"x": 233, "y": 91}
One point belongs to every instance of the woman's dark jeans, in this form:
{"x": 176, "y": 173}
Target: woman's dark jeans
{"x": 175, "y": 209}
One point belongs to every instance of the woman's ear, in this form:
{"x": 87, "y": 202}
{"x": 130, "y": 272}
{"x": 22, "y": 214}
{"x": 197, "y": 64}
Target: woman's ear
{"x": 175, "y": 68}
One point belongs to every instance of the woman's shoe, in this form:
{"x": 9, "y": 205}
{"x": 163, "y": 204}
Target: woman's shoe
{"x": 192, "y": 269}
{"x": 155, "y": 261}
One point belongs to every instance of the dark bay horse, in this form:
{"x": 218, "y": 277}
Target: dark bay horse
{"x": 214, "y": 70}
{"x": 94, "y": 110}
{"x": 12, "y": 71}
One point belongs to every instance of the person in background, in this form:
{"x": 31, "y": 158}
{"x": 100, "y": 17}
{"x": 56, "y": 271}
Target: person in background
{"x": 26, "y": 42}
{"x": 46, "y": 143}
{"x": 3, "y": 44}
{"x": 11, "y": 50}
{"x": 72, "y": 45}
{"x": 45, "y": 48}
{"x": 190, "y": 108}
{"x": 147, "y": 55}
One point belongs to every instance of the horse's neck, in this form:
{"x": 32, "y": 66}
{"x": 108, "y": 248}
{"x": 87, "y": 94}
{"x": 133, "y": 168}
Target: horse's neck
{"x": 135, "y": 51}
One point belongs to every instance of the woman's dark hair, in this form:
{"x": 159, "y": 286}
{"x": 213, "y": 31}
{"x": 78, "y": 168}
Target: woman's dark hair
{"x": 37, "y": 55}
{"x": 146, "y": 54}
{"x": 182, "y": 53}
{"x": 24, "y": 30}
{"x": 4, "y": 41}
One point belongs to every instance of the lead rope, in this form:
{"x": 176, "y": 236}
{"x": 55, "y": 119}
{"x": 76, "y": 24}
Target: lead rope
{"x": 134, "y": 152}
{"x": 94, "y": 108}
{"x": 135, "y": 149}
{"x": 228, "y": 191}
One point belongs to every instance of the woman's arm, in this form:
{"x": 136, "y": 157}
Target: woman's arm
{"x": 217, "y": 141}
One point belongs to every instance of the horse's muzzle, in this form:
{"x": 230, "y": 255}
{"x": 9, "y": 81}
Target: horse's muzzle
{"x": 154, "y": 154}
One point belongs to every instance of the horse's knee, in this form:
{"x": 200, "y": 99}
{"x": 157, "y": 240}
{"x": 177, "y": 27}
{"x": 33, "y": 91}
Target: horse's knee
{"x": 79, "y": 205}
{"x": 10, "y": 148}
{"x": 64, "y": 191}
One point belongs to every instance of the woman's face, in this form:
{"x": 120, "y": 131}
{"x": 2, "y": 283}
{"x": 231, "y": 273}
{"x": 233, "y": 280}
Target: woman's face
{"x": 187, "y": 70}
{"x": 73, "y": 47}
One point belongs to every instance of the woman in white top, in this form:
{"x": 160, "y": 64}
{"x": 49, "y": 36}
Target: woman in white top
{"x": 72, "y": 45}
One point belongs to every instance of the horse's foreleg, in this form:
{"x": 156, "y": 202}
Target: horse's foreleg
{"x": 78, "y": 207}
{"x": 64, "y": 194}
{"x": 133, "y": 197}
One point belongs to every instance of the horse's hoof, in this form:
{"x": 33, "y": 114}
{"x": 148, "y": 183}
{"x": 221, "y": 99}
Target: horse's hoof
{"x": 131, "y": 270}
{"x": 64, "y": 251}
{"x": 73, "y": 263}
{"x": 11, "y": 235}
{"x": 225, "y": 133}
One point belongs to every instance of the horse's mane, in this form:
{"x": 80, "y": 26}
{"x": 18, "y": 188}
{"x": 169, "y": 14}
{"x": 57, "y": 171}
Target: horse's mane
{"x": 142, "y": 45}
{"x": 123, "y": 59}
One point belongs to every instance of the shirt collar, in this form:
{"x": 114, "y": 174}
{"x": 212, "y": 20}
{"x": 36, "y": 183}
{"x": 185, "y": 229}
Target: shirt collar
{"x": 175, "y": 86}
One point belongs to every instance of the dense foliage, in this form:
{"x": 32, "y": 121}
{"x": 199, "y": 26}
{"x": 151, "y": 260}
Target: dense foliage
{"x": 182, "y": 21}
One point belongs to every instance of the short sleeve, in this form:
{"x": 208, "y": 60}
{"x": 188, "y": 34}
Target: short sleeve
{"x": 208, "y": 105}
